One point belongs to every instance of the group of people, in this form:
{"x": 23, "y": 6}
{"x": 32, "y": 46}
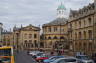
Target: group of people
{"x": 59, "y": 52}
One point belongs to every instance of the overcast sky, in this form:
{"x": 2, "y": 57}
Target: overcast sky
{"x": 36, "y": 12}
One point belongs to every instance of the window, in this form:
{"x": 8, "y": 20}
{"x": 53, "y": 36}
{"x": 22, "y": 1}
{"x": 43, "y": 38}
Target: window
{"x": 59, "y": 12}
{"x": 45, "y": 38}
{"x": 75, "y": 35}
{"x": 80, "y": 23}
{"x": 84, "y": 34}
{"x": 30, "y": 35}
{"x": 30, "y": 41}
{"x": 90, "y": 21}
{"x": 90, "y": 46}
{"x": 51, "y": 43}
{"x": 55, "y": 37}
{"x": 79, "y": 35}
{"x": 84, "y": 45}
{"x": 62, "y": 37}
{"x": 25, "y": 35}
{"x": 55, "y": 29}
{"x": 28, "y": 45}
{"x": 49, "y": 29}
{"x": 31, "y": 45}
{"x": 35, "y": 42}
{"x": 84, "y": 22}
{"x": 35, "y": 35}
{"x": 90, "y": 34}
{"x": 25, "y": 41}
{"x": 49, "y": 37}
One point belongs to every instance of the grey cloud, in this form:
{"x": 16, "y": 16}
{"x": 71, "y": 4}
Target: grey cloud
{"x": 32, "y": 11}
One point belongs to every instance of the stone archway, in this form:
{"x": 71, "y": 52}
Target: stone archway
{"x": 61, "y": 44}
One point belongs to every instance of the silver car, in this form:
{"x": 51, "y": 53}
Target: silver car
{"x": 84, "y": 59}
{"x": 66, "y": 60}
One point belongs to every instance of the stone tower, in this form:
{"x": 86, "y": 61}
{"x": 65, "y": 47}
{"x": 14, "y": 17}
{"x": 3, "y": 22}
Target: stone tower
{"x": 61, "y": 11}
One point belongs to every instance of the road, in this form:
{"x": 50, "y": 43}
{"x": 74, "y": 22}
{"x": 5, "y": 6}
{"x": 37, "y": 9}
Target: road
{"x": 22, "y": 57}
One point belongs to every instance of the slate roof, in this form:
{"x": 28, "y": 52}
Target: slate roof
{"x": 58, "y": 21}
{"x": 6, "y": 32}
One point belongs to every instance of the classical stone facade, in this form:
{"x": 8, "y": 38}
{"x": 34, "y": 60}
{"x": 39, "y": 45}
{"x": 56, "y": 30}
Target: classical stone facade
{"x": 55, "y": 32}
{"x": 7, "y": 38}
{"x": 26, "y": 37}
{"x": 81, "y": 25}
{"x": 79, "y": 30}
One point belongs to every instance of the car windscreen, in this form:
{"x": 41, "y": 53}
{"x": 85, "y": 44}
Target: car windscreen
{"x": 83, "y": 57}
{"x": 39, "y": 54}
{"x": 5, "y": 52}
{"x": 69, "y": 60}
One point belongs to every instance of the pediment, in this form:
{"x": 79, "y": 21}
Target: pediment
{"x": 30, "y": 27}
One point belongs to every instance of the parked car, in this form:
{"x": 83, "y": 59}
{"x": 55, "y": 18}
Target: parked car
{"x": 33, "y": 52}
{"x": 41, "y": 58}
{"x": 39, "y": 54}
{"x": 94, "y": 57}
{"x": 65, "y": 60}
{"x": 51, "y": 59}
{"x": 84, "y": 59}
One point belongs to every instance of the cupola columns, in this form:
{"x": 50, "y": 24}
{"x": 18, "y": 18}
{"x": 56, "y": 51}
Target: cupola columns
{"x": 61, "y": 11}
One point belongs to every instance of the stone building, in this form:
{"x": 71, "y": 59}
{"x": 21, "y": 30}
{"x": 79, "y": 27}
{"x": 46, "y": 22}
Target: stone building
{"x": 81, "y": 29}
{"x": 26, "y": 37}
{"x": 55, "y": 32}
{"x": 7, "y": 38}
{"x": 1, "y": 29}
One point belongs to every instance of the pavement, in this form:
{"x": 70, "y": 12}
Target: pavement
{"x": 22, "y": 57}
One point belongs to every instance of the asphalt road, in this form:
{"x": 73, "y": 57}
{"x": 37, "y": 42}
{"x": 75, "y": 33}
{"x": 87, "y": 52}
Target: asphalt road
{"x": 22, "y": 57}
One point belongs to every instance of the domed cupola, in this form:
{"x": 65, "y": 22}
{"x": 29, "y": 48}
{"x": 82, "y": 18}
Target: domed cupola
{"x": 61, "y": 11}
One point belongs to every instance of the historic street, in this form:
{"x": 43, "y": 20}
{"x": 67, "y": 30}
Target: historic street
{"x": 22, "y": 57}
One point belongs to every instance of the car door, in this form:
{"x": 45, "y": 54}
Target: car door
{"x": 61, "y": 61}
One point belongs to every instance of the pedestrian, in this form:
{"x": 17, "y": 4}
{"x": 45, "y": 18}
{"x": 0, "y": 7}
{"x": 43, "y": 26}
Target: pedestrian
{"x": 62, "y": 52}
{"x": 52, "y": 53}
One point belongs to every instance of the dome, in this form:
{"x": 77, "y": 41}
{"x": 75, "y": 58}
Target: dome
{"x": 61, "y": 7}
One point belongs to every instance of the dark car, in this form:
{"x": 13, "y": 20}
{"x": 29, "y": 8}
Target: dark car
{"x": 94, "y": 57}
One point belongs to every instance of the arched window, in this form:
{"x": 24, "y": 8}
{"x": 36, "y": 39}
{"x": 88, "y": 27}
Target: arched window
{"x": 79, "y": 35}
{"x": 90, "y": 21}
{"x": 49, "y": 37}
{"x": 55, "y": 37}
{"x": 61, "y": 37}
{"x": 25, "y": 41}
{"x": 84, "y": 34}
